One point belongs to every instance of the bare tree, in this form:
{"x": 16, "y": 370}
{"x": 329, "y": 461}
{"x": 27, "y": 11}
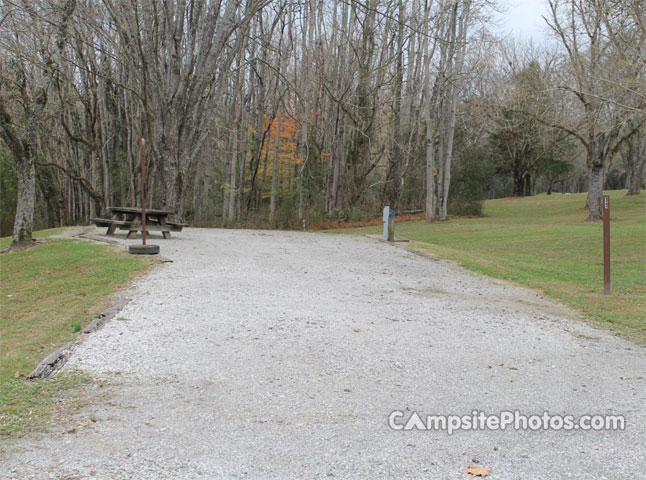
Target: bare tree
{"x": 26, "y": 80}
{"x": 635, "y": 158}
{"x": 597, "y": 74}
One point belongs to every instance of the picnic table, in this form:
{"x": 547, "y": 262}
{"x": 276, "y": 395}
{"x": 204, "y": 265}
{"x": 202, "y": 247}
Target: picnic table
{"x": 129, "y": 218}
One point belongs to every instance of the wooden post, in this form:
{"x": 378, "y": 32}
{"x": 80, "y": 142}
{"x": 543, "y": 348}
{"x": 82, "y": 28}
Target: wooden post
{"x": 143, "y": 189}
{"x": 606, "y": 244}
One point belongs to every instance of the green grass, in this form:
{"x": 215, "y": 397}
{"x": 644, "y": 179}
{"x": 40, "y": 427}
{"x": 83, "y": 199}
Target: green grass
{"x": 47, "y": 294}
{"x": 30, "y": 405}
{"x": 543, "y": 242}
{"x": 40, "y": 234}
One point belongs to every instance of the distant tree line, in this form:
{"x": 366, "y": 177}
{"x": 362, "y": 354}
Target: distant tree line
{"x": 268, "y": 112}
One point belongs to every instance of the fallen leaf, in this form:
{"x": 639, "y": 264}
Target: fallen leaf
{"x": 71, "y": 430}
{"x": 18, "y": 375}
{"x": 513, "y": 368}
{"x": 489, "y": 366}
{"x": 357, "y": 330}
{"x": 476, "y": 471}
{"x": 475, "y": 460}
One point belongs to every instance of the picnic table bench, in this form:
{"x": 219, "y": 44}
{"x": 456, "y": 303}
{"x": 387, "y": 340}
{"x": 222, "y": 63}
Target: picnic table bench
{"x": 129, "y": 218}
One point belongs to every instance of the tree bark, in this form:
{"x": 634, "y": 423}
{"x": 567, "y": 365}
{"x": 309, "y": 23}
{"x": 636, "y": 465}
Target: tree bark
{"x": 24, "y": 220}
{"x": 635, "y": 160}
{"x": 22, "y": 151}
{"x": 274, "y": 175}
{"x": 429, "y": 210}
{"x": 392, "y": 186}
{"x": 596, "y": 174}
{"x": 517, "y": 177}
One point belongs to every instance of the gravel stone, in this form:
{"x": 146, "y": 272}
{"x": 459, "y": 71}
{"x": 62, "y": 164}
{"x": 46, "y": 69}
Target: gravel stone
{"x": 281, "y": 354}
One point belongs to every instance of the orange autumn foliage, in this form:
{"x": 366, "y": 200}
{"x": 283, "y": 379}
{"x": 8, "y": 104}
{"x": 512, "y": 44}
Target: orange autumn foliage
{"x": 288, "y": 154}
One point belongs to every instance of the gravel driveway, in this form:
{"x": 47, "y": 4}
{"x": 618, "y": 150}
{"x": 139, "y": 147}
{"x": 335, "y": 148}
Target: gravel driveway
{"x": 281, "y": 355}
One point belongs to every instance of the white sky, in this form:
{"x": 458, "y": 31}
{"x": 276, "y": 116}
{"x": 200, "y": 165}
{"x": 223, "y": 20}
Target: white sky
{"x": 522, "y": 19}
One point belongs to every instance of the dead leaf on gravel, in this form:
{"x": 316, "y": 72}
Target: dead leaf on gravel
{"x": 476, "y": 471}
{"x": 513, "y": 368}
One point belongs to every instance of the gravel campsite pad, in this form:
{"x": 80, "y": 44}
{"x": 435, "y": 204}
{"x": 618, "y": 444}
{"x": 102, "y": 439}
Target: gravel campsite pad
{"x": 281, "y": 355}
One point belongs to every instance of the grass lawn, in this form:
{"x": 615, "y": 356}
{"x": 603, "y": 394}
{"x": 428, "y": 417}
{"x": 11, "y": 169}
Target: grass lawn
{"x": 544, "y": 242}
{"x": 47, "y": 294}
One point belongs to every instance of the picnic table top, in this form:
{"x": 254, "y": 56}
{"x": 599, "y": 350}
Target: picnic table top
{"x": 149, "y": 211}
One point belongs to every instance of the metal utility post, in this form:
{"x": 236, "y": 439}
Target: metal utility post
{"x": 606, "y": 244}
{"x": 386, "y": 217}
{"x": 143, "y": 189}
{"x": 143, "y": 249}
{"x": 389, "y": 224}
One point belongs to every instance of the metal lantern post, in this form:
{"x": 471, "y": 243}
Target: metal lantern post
{"x": 143, "y": 189}
{"x": 143, "y": 249}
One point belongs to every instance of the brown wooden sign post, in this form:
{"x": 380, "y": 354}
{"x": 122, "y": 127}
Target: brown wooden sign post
{"x": 143, "y": 249}
{"x": 143, "y": 190}
{"x": 606, "y": 243}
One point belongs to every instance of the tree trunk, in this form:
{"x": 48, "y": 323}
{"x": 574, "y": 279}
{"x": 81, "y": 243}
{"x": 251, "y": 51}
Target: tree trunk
{"x": 336, "y": 161}
{"x": 597, "y": 153}
{"x": 306, "y": 89}
{"x": 448, "y": 156}
{"x": 456, "y": 61}
{"x": 392, "y": 186}
{"x": 595, "y": 191}
{"x": 274, "y": 176}
{"x": 24, "y": 220}
{"x": 23, "y": 153}
{"x": 429, "y": 210}
{"x": 235, "y": 142}
{"x": 636, "y": 160}
{"x": 636, "y": 179}
{"x": 168, "y": 165}
{"x": 429, "y": 97}
{"x": 263, "y": 176}
{"x": 517, "y": 176}
{"x": 232, "y": 172}
{"x": 528, "y": 192}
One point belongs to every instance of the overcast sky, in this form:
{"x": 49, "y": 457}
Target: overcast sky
{"x": 522, "y": 19}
